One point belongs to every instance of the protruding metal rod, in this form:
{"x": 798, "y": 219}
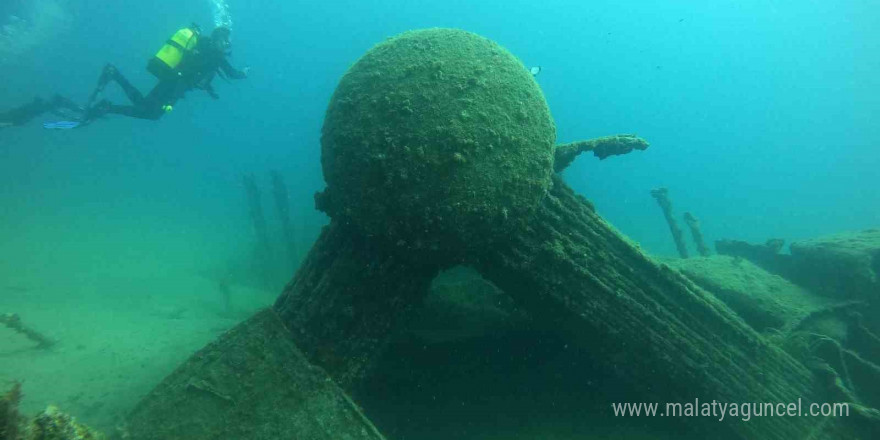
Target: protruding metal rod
{"x": 662, "y": 196}
{"x": 696, "y": 233}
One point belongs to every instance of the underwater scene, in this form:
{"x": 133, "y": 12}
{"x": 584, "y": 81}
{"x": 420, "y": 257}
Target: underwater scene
{"x": 433, "y": 220}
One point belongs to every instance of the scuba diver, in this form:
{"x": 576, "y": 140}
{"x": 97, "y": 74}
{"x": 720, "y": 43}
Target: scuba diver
{"x": 187, "y": 61}
{"x": 58, "y": 105}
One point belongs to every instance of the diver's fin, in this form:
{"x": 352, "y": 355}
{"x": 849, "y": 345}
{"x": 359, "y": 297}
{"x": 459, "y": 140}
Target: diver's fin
{"x": 61, "y": 125}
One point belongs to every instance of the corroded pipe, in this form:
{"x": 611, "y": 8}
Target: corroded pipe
{"x": 662, "y": 197}
{"x": 696, "y": 233}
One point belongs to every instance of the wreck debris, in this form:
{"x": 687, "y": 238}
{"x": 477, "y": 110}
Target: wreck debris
{"x": 263, "y": 247}
{"x": 53, "y": 424}
{"x": 10, "y": 420}
{"x": 282, "y": 205}
{"x": 251, "y": 383}
{"x": 434, "y": 177}
{"x": 573, "y": 270}
{"x": 767, "y": 255}
{"x": 770, "y": 304}
{"x": 841, "y": 266}
{"x": 662, "y": 197}
{"x": 602, "y": 148}
{"x": 225, "y": 290}
{"x": 14, "y": 322}
{"x": 348, "y": 297}
{"x": 50, "y": 424}
{"x": 696, "y": 233}
{"x": 418, "y": 182}
{"x": 845, "y": 265}
{"x": 553, "y": 254}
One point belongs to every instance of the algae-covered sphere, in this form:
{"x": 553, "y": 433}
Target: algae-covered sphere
{"x": 439, "y": 141}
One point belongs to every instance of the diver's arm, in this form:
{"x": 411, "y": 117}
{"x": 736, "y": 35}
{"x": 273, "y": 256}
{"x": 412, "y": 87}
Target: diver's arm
{"x": 232, "y": 72}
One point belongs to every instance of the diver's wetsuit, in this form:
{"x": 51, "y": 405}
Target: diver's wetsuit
{"x": 22, "y": 114}
{"x": 196, "y": 71}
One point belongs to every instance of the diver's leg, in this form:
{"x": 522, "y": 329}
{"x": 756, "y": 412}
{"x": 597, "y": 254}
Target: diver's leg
{"x": 134, "y": 95}
{"x": 59, "y": 102}
{"x": 65, "y": 107}
{"x": 149, "y": 107}
{"x": 144, "y": 110}
{"x": 136, "y": 110}
{"x": 106, "y": 73}
{"x": 160, "y": 99}
{"x": 24, "y": 113}
{"x": 165, "y": 93}
{"x": 133, "y": 111}
{"x": 111, "y": 73}
{"x": 139, "y": 111}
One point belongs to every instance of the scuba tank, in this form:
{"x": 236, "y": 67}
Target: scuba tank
{"x": 164, "y": 64}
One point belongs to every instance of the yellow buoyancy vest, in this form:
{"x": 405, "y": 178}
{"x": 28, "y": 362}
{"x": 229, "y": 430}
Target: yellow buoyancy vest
{"x": 172, "y": 53}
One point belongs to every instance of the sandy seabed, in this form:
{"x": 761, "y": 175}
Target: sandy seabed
{"x": 117, "y": 335}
